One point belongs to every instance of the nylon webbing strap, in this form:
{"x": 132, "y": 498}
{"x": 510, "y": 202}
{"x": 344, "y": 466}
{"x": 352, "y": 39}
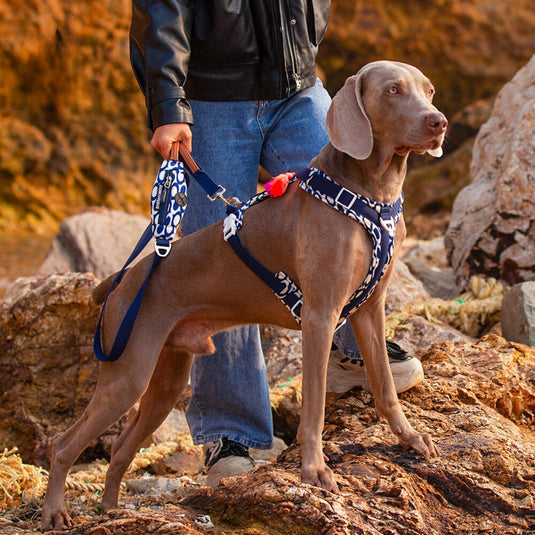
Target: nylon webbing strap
{"x": 125, "y": 329}
{"x": 263, "y": 273}
{"x": 206, "y": 183}
{"x": 213, "y": 191}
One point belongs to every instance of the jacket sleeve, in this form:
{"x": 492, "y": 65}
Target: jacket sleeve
{"x": 160, "y": 36}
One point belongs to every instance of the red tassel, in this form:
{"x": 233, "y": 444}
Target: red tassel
{"x": 277, "y": 186}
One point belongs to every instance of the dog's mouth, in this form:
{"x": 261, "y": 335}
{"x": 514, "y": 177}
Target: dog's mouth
{"x": 433, "y": 144}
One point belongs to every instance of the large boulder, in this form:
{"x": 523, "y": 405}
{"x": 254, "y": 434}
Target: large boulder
{"x": 518, "y": 313}
{"x": 97, "y": 241}
{"x": 47, "y": 365}
{"x": 492, "y": 227}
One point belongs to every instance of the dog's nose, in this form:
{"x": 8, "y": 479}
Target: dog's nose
{"x": 436, "y": 122}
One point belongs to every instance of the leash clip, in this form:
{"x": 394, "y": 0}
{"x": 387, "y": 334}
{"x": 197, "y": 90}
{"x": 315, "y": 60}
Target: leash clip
{"x": 219, "y": 195}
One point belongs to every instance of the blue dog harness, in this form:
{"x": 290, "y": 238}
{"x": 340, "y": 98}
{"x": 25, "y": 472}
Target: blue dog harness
{"x": 379, "y": 219}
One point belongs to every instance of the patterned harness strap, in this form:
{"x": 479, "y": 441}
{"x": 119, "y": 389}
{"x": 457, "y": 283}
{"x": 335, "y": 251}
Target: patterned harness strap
{"x": 379, "y": 219}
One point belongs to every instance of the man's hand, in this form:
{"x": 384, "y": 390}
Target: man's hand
{"x": 167, "y": 138}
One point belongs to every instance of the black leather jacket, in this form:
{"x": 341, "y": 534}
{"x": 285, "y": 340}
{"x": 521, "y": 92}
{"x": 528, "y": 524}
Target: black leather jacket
{"x": 222, "y": 50}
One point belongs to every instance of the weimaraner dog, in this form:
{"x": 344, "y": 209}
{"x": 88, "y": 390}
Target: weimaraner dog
{"x": 379, "y": 116}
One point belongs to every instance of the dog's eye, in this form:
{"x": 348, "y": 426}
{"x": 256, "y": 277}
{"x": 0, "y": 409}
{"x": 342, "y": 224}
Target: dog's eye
{"x": 393, "y": 90}
{"x": 430, "y": 92}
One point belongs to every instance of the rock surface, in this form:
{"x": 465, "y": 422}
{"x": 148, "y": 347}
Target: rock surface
{"x": 518, "y": 313}
{"x": 47, "y": 365}
{"x": 492, "y": 228}
{"x": 97, "y": 241}
{"x": 484, "y": 481}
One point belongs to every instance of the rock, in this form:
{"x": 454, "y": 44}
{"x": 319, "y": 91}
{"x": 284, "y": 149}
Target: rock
{"x": 282, "y": 353}
{"x": 427, "y": 261}
{"x": 404, "y": 288}
{"x": 175, "y": 424}
{"x": 518, "y": 313}
{"x": 492, "y": 226}
{"x": 418, "y": 334}
{"x": 265, "y": 456}
{"x": 154, "y": 485}
{"x": 482, "y": 483}
{"x": 47, "y": 365}
{"x": 140, "y": 521}
{"x": 97, "y": 241}
{"x": 465, "y": 123}
{"x": 469, "y": 49}
{"x": 430, "y": 189}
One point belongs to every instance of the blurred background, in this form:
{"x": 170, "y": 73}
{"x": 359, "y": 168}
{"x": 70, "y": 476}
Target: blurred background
{"x": 73, "y": 124}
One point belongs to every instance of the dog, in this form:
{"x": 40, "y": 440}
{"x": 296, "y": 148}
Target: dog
{"x": 379, "y": 116}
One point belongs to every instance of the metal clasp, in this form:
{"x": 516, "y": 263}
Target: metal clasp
{"x": 162, "y": 248}
{"x": 219, "y": 195}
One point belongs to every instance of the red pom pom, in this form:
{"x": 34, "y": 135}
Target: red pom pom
{"x": 277, "y": 185}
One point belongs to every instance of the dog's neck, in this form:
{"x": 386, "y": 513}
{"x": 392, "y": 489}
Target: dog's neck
{"x": 380, "y": 177}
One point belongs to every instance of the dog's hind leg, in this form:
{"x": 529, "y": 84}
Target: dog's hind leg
{"x": 108, "y": 404}
{"x": 120, "y": 384}
{"x": 167, "y": 384}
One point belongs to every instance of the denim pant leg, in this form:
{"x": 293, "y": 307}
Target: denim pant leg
{"x": 345, "y": 341}
{"x": 230, "y": 392}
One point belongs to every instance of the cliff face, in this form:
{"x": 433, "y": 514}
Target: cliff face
{"x": 72, "y": 119}
{"x": 72, "y": 125}
{"x": 468, "y": 48}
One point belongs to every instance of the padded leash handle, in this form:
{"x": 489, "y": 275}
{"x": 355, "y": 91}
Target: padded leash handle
{"x": 187, "y": 158}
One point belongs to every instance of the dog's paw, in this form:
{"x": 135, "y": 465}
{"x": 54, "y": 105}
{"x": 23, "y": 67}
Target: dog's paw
{"x": 56, "y": 520}
{"x": 419, "y": 442}
{"x": 322, "y": 477}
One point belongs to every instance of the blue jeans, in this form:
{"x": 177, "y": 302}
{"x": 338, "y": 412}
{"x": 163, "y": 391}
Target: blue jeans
{"x": 230, "y": 392}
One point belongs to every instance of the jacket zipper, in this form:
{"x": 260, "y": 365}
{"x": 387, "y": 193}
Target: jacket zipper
{"x": 286, "y": 25}
{"x": 291, "y": 48}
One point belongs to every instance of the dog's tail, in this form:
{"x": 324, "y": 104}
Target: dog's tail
{"x": 100, "y": 292}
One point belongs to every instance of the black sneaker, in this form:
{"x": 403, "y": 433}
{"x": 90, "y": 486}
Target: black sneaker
{"x": 225, "y": 458}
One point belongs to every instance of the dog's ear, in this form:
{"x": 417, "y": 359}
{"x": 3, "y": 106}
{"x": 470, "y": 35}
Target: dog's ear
{"x": 347, "y": 123}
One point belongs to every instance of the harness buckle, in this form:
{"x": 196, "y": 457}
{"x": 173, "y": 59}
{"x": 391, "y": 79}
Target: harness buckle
{"x": 389, "y": 225}
{"x": 341, "y": 201}
{"x": 162, "y": 248}
{"x": 229, "y": 226}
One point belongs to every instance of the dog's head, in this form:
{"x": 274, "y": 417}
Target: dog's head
{"x": 388, "y": 104}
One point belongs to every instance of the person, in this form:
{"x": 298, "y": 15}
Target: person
{"x": 236, "y": 83}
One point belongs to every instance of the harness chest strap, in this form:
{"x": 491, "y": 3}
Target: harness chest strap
{"x": 379, "y": 219}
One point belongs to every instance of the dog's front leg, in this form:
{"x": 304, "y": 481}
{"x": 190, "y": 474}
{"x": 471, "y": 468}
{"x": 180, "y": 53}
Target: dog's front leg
{"x": 368, "y": 323}
{"x": 317, "y": 337}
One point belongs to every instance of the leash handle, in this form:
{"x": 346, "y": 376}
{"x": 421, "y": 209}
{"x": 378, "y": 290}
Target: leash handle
{"x": 187, "y": 158}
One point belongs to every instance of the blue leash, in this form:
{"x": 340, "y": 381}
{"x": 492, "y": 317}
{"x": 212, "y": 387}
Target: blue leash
{"x": 162, "y": 246}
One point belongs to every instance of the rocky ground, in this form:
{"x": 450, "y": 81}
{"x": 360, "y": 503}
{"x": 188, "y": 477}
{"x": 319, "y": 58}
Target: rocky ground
{"x": 484, "y": 481}
{"x": 477, "y": 401}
